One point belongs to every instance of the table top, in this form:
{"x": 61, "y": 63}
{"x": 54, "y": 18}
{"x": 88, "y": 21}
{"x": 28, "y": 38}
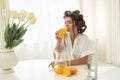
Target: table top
{"x": 39, "y": 70}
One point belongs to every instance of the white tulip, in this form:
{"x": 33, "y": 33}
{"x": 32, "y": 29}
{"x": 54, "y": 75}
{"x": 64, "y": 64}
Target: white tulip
{"x": 33, "y": 20}
{"x": 22, "y": 15}
{"x": 30, "y": 15}
{"x": 14, "y": 14}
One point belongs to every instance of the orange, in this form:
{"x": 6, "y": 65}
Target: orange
{"x": 62, "y": 32}
{"x": 73, "y": 71}
{"x": 67, "y": 71}
{"x": 59, "y": 68}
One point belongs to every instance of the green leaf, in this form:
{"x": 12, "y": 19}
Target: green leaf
{"x": 19, "y": 30}
{"x": 22, "y": 33}
{"x": 14, "y": 28}
{"x": 16, "y": 42}
{"x": 13, "y": 35}
{"x": 6, "y": 35}
{"x": 10, "y": 33}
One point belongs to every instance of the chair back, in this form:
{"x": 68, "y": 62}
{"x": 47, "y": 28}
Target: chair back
{"x": 93, "y": 62}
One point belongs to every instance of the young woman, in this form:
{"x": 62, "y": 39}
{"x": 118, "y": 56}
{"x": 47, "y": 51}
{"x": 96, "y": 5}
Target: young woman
{"x": 75, "y": 45}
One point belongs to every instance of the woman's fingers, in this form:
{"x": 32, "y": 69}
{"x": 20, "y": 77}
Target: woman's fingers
{"x": 51, "y": 64}
{"x": 56, "y": 33}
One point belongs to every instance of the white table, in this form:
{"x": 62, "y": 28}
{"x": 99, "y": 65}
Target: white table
{"x": 38, "y": 70}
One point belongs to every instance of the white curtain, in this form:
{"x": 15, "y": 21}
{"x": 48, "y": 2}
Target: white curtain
{"x": 113, "y": 45}
{"x": 96, "y": 16}
{"x": 39, "y": 40}
{"x": 102, "y": 17}
{"x": 3, "y": 4}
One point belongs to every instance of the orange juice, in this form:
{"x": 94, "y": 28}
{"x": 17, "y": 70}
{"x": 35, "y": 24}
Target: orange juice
{"x": 59, "y": 68}
{"x": 62, "y": 32}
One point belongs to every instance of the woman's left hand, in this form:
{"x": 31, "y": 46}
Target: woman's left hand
{"x": 52, "y": 64}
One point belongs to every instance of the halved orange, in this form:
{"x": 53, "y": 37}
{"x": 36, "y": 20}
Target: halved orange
{"x": 67, "y": 71}
{"x": 73, "y": 71}
{"x": 59, "y": 68}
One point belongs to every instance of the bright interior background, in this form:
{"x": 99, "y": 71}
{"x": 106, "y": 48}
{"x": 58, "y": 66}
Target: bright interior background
{"x": 101, "y": 16}
{"x": 39, "y": 40}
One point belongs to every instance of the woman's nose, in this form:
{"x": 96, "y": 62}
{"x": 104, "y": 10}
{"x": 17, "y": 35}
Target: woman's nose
{"x": 66, "y": 25}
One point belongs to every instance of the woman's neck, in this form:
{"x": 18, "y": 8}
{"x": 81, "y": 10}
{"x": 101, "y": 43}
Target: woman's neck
{"x": 73, "y": 36}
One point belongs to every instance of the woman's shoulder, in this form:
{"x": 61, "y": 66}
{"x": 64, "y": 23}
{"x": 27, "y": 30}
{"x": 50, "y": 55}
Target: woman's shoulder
{"x": 84, "y": 35}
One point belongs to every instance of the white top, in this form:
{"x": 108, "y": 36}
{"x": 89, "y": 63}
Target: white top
{"x": 82, "y": 46}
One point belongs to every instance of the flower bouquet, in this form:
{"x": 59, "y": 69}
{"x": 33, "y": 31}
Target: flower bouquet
{"x": 17, "y": 25}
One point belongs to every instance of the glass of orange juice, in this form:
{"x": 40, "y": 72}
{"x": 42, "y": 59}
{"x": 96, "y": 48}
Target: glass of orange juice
{"x": 60, "y": 63}
{"x": 62, "y": 32}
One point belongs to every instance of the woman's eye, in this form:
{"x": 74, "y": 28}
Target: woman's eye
{"x": 69, "y": 22}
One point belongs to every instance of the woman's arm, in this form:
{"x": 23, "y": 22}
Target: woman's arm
{"x": 57, "y": 48}
{"x": 80, "y": 61}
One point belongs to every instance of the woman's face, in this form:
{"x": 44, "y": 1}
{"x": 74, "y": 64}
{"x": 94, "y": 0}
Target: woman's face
{"x": 68, "y": 24}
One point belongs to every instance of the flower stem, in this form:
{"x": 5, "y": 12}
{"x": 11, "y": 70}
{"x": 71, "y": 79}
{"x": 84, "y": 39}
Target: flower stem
{"x": 18, "y": 24}
{"x": 27, "y": 25}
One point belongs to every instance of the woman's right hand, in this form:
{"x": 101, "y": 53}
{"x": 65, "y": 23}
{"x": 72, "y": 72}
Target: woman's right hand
{"x": 57, "y": 37}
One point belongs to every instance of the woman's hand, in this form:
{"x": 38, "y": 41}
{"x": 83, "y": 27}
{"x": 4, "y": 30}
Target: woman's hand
{"x": 61, "y": 33}
{"x": 57, "y": 48}
{"x": 57, "y": 37}
{"x": 52, "y": 64}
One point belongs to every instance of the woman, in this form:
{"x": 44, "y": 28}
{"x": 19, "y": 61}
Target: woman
{"x": 75, "y": 45}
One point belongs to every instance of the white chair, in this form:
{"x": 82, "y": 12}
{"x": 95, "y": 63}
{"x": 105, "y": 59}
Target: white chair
{"x": 92, "y": 62}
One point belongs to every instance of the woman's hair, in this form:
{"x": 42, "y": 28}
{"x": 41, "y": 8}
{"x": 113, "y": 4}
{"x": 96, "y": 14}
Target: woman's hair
{"x": 78, "y": 18}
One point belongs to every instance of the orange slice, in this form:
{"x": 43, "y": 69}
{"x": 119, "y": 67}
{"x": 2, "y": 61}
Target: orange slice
{"x": 59, "y": 68}
{"x": 73, "y": 71}
{"x": 67, "y": 71}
